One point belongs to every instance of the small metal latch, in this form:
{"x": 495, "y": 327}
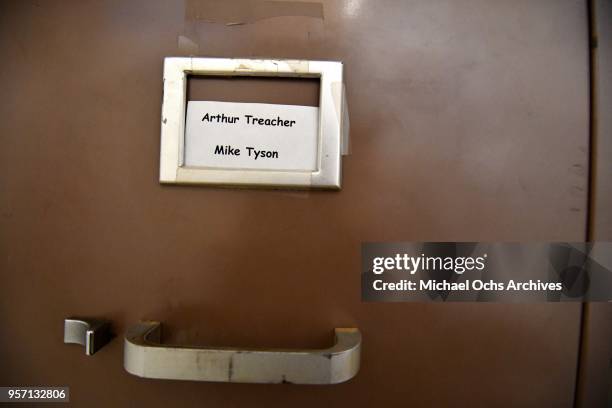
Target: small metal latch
{"x": 91, "y": 333}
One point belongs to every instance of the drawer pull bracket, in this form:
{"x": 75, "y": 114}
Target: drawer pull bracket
{"x": 91, "y": 333}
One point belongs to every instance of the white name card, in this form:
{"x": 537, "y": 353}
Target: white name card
{"x": 254, "y": 136}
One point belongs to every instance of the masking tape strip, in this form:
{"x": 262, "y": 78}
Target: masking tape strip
{"x": 248, "y": 11}
{"x": 338, "y": 90}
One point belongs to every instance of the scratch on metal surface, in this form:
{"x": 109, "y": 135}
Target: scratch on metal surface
{"x": 230, "y": 369}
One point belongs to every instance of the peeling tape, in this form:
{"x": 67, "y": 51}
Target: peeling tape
{"x": 345, "y": 147}
{"x": 249, "y": 11}
{"x": 340, "y": 104}
{"x": 187, "y": 45}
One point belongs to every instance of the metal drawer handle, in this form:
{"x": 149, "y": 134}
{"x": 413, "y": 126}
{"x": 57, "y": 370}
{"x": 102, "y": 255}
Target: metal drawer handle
{"x": 144, "y": 356}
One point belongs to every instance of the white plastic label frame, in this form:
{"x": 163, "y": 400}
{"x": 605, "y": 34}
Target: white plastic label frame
{"x": 328, "y": 172}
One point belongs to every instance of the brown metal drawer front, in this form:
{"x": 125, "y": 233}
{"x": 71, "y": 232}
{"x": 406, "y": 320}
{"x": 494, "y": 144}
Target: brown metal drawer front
{"x": 469, "y": 122}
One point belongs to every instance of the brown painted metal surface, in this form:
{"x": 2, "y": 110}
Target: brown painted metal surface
{"x": 469, "y": 121}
